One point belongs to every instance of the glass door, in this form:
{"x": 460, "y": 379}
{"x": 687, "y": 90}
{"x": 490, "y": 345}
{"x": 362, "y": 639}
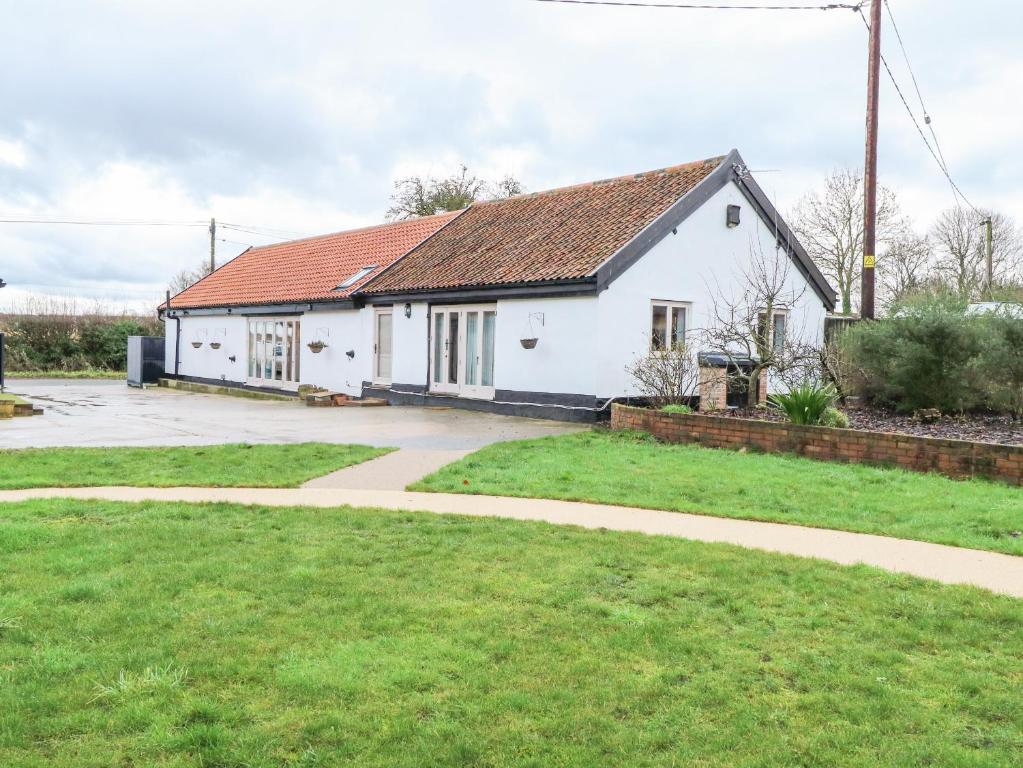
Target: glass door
{"x": 274, "y": 346}
{"x": 462, "y": 351}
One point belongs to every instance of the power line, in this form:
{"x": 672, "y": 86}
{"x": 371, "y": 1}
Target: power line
{"x": 104, "y": 222}
{"x": 916, "y": 87}
{"x": 710, "y": 7}
{"x": 261, "y": 228}
{"x": 919, "y": 130}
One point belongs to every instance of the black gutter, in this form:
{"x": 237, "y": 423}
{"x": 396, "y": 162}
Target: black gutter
{"x": 583, "y": 286}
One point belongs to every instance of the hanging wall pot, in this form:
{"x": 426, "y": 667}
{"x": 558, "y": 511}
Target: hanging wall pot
{"x": 529, "y": 337}
{"x": 316, "y": 347}
{"x": 197, "y": 344}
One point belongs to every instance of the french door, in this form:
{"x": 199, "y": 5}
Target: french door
{"x": 462, "y": 350}
{"x": 274, "y": 359}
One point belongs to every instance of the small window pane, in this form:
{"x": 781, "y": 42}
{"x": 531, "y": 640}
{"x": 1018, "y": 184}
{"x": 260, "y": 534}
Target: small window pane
{"x": 453, "y": 348}
{"x": 489, "y": 328}
{"x": 438, "y": 347}
{"x": 678, "y": 326}
{"x": 779, "y": 332}
{"x": 659, "y": 328}
{"x": 472, "y": 361}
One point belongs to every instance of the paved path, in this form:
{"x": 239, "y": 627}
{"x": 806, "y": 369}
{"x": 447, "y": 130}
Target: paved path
{"x": 391, "y": 472}
{"x": 110, "y": 413}
{"x": 951, "y": 565}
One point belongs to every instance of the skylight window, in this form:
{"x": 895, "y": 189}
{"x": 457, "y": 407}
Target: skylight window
{"x": 353, "y": 279}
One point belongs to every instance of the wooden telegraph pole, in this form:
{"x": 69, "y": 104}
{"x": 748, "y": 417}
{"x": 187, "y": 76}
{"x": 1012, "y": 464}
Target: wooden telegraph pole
{"x": 870, "y": 173}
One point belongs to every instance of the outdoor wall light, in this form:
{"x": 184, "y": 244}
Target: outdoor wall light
{"x": 732, "y": 216}
{"x": 351, "y": 354}
{"x": 408, "y": 310}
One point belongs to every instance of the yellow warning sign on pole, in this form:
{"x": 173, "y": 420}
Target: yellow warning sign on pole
{"x": 868, "y": 261}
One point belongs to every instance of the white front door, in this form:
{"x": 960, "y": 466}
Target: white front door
{"x": 274, "y": 359}
{"x": 383, "y": 345}
{"x": 462, "y": 350}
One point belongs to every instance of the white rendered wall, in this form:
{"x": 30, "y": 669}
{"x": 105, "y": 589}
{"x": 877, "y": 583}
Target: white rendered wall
{"x": 410, "y": 348}
{"x": 566, "y": 356}
{"x": 342, "y": 331}
{"x": 692, "y": 266}
{"x": 230, "y": 331}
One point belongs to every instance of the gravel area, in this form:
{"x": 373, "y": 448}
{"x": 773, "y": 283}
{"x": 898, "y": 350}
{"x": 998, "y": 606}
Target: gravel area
{"x": 978, "y": 428}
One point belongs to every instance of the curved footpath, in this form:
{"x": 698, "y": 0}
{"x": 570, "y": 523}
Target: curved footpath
{"x": 951, "y": 565}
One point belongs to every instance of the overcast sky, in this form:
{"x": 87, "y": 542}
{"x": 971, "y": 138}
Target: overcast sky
{"x": 299, "y": 116}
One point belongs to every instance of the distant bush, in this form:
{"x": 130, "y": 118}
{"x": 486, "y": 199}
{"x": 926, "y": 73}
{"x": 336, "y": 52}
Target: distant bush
{"x": 63, "y": 342}
{"x": 926, "y": 356}
{"x": 934, "y": 354}
{"x": 1001, "y": 363}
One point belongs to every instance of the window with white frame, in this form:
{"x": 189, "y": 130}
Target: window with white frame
{"x": 668, "y": 323}
{"x": 778, "y": 328}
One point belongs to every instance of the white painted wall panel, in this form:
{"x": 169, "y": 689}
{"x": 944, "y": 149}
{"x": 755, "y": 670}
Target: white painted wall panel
{"x": 411, "y": 346}
{"x": 342, "y": 331}
{"x": 205, "y": 362}
{"x": 566, "y": 356}
{"x": 690, "y": 266}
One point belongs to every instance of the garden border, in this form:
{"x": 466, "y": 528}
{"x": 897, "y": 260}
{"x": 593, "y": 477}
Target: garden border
{"x": 953, "y": 458}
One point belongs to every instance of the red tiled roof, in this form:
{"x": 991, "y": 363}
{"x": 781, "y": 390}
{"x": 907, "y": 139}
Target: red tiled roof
{"x": 557, "y": 235}
{"x": 308, "y": 269}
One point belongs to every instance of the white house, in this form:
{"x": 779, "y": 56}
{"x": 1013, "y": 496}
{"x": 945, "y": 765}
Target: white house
{"x": 447, "y": 308}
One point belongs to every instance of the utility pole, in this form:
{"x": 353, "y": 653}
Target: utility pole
{"x": 989, "y": 262}
{"x": 213, "y": 244}
{"x": 870, "y": 173}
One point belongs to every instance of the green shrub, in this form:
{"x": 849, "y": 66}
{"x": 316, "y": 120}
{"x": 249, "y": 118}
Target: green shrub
{"x": 805, "y": 404}
{"x": 67, "y": 342}
{"x": 928, "y": 356}
{"x": 1001, "y": 362}
{"x": 676, "y": 408}
{"x": 835, "y": 418}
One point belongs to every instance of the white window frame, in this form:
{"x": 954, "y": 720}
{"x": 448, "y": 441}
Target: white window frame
{"x": 290, "y": 351}
{"x": 685, "y": 306}
{"x": 769, "y": 322}
{"x": 377, "y": 313}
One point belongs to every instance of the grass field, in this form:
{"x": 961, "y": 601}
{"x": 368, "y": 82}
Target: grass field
{"x": 635, "y": 470}
{"x": 178, "y": 635}
{"x": 242, "y": 465}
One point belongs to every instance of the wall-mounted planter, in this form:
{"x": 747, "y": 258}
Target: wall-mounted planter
{"x": 528, "y": 343}
{"x": 316, "y": 347}
{"x": 214, "y": 345}
{"x": 197, "y": 344}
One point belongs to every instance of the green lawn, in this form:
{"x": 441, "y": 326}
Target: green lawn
{"x": 7, "y": 396}
{"x": 242, "y": 465}
{"x": 635, "y": 470}
{"x": 206, "y": 635}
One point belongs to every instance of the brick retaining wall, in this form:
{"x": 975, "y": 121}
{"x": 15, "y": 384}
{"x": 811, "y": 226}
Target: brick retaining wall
{"x": 954, "y": 458}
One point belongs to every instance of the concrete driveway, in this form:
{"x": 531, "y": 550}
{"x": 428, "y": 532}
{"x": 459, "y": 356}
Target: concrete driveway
{"x": 109, "y": 413}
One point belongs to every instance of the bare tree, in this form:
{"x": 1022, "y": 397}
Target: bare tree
{"x": 830, "y": 227}
{"x": 189, "y": 277}
{"x": 960, "y": 247}
{"x": 667, "y": 377}
{"x": 907, "y": 268}
{"x": 744, "y": 326}
{"x": 417, "y": 196}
